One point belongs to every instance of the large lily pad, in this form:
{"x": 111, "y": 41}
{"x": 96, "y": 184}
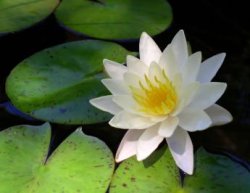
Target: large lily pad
{"x": 56, "y": 84}
{"x": 115, "y": 19}
{"x": 19, "y": 14}
{"x": 213, "y": 173}
{"x": 80, "y": 164}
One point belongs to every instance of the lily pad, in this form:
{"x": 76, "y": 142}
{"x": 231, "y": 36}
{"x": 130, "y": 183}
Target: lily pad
{"x": 56, "y": 84}
{"x": 16, "y": 15}
{"x": 156, "y": 174}
{"x": 80, "y": 164}
{"x": 115, "y": 19}
{"x": 214, "y": 173}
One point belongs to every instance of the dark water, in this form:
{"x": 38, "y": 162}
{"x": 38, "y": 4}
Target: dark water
{"x": 210, "y": 26}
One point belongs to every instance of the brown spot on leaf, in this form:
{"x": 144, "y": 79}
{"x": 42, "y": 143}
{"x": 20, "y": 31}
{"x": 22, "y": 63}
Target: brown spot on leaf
{"x": 132, "y": 179}
{"x": 124, "y": 185}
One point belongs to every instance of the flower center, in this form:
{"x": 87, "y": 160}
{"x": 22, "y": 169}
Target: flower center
{"x": 155, "y": 97}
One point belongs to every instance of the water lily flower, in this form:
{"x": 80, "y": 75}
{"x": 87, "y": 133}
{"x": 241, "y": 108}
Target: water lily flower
{"x": 163, "y": 95}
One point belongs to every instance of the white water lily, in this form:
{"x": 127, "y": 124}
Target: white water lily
{"x": 163, "y": 95}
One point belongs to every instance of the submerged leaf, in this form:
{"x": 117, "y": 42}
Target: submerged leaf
{"x": 115, "y": 19}
{"x": 217, "y": 174}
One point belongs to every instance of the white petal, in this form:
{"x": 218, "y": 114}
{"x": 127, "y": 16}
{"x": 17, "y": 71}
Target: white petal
{"x": 207, "y": 95}
{"x": 192, "y": 67}
{"x": 105, "y": 103}
{"x": 136, "y": 66}
{"x": 186, "y": 95}
{"x": 116, "y": 86}
{"x": 155, "y": 72}
{"x": 218, "y": 115}
{"x": 194, "y": 120}
{"x": 125, "y": 120}
{"x": 210, "y": 67}
{"x": 114, "y": 69}
{"x": 148, "y": 142}
{"x": 181, "y": 147}
{"x": 149, "y": 51}
{"x": 178, "y": 84}
{"x": 132, "y": 79}
{"x": 168, "y": 126}
{"x": 168, "y": 62}
{"x": 128, "y": 145}
{"x": 125, "y": 102}
{"x": 179, "y": 45}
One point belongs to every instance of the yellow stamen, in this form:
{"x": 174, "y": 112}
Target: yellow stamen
{"x": 155, "y": 97}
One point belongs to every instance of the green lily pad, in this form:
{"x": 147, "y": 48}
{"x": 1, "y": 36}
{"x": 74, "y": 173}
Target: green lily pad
{"x": 56, "y": 84}
{"x": 115, "y": 19}
{"x": 214, "y": 173}
{"x": 16, "y": 15}
{"x": 157, "y": 174}
{"x": 80, "y": 164}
